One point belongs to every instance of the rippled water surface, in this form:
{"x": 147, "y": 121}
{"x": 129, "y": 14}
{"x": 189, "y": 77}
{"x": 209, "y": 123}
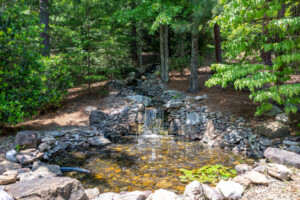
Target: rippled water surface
{"x": 144, "y": 163}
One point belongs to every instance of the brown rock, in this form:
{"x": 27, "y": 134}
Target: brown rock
{"x": 25, "y": 159}
{"x": 28, "y": 139}
{"x": 273, "y": 129}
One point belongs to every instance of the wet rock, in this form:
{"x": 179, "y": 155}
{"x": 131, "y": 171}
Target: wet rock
{"x": 7, "y": 166}
{"x": 162, "y": 194}
{"x": 27, "y": 139}
{"x": 279, "y": 171}
{"x": 98, "y": 141}
{"x": 92, "y": 193}
{"x": 11, "y": 156}
{"x": 5, "y": 196}
{"x": 209, "y": 132}
{"x": 97, "y": 117}
{"x": 242, "y": 168}
{"x": 282, "y": 157}
{"x": 24, "y": 159}
{"x": 273, "y": 111}
{"x": 192, "y": 118}
{"x": 174, "y": 127}
{"x": 242, "y": 180}
{"x": 273, "y": 129}
{"x": 108, "y": 196}
{"x": 230, "y": 189}
{"x": 194, "y": 191}
{"x": 256, "y": 178}
{"x": 135, "y": 195}
{"x": 211, "y": 193}
{"x": 45, "y": 170}
{"x": 48, "y": 188}
{"x": 233, "y": 137}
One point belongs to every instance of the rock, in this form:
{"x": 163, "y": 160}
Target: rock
{"x": 97, "y": 117}
{"x": 11, "y": 156}
{"x": 25, "y": 159}
{"x": 279, "y": 171}
{"x": 256, "y": 178}
{"x": 48, "y": 188}
{"x": 290, "y": 143}
{"x": 242, "y": 168}
{"x": 209, "y": 133}
{"x": 283, "y": 118}
{"x": 211, "y": 193}
{"x": 114, "y": 84}
{"x": 233, "y": 137}
{"x": 230, "y": 189}
{"x": 273, "y": 111}
{"x": 198, "y": 98}
{"x": 48, "y": 139}
{"x": 162, "y": 194}
{"x": 135, "y": 195}
{"x": 144, "y": 78}
{"x": 7, "y": 165}
{"x": 44, "y": 147}
{"x": 192, "y": 119}
{"x": 5, "y": 196}
{"x": 45, "y": 170}
{"x": 28, "y": 176}
{"x": 92, "y": 193}
{"x": 55, "y": 133}
{"x": 174, "y": 104}
{"x": 282, "y": 157}
{"x": 294, "y": 148}
{"x": 108, "y": 196}
{"x": 98, "y": 141}
{"x": 261, "y": 169}
{"x": 242, "y": 180}
{"x": 90, "y": 108}
{"x": 6, "y": 179}
{"x": 27, "y": 139}
{"x": 194, "y": 191}
{"x": 273, "y": 129}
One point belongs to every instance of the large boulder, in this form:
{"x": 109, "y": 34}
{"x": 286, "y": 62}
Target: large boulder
{"x": 27, "y": 139}
{"x": 273, "y": 129}
{"x": 282, "y": 157}
{"x": 98, "y": 117}
{"x": 51, "y": 188}
{"x": 194, "y": 191}
{"x": 273, "y": 111}
{"x": 230, "y": 189}
{"x": 279, "y": 171}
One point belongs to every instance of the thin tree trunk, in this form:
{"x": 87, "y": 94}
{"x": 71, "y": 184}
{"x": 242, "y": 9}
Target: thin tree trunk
{"x": 182, "y": 53}
{"x": 162, "y": 55}
{"x": 166, "y": 52}
{"x": 266, "y": 56}
{"x": 280, "y": 15}
{"x": 44, "y": 19}
{"x": 134, "y": 46}
{"x": 217, "y": 43}
{"x": 193, "y": 86}
{"x": 141, "y": 45}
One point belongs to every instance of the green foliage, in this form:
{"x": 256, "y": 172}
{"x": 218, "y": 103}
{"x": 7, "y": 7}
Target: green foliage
{"x": 28, "y": 81}
{"x": 179, "y": 63}
{"x": 249, "y": 28}
{"x": 211, "y": 174}
{"x": 19, "y": 147}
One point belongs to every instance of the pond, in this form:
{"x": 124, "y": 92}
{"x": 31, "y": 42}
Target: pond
{"x": 146, "y": 162}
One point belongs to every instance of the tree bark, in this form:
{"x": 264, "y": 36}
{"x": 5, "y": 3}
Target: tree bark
{"x": 44, "y": 19}
{"x": 266, "y": 56}
{"x": 162, "y": 54}
{"x": 134, "y": 46}
{"x": 166, "y": 52}
{"x": 141, "y": 45}
{"x": 194, "y": 86}
{"x": 217, "y": 43}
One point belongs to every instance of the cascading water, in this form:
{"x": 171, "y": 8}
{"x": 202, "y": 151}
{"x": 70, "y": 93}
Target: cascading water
{"x": 152, "y": 122}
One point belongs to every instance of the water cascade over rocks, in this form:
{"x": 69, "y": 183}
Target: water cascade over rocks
{"x": 151, "y": 122}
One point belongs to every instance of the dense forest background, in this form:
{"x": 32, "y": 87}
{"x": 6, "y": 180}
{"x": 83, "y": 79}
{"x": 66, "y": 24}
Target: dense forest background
{"x": 48, "y": 46}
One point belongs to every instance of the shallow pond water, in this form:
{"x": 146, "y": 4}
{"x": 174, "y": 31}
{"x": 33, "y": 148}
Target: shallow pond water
{"x": 144, "y": 163}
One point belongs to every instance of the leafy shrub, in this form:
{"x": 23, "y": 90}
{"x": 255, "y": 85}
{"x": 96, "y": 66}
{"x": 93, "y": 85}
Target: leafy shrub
{"x": 29, "y": 82}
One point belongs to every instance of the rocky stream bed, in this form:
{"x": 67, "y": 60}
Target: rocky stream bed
{"x": 143, "y": 107}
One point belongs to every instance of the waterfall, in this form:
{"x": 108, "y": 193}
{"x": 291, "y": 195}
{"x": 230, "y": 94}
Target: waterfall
{"x": 152, "y": 122}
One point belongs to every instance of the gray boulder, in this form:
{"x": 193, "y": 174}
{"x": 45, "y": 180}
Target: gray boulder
{"x": 283, "y": 118}
{"x": 98, "y": 117}
{"x": 230, "y": 189}
{"x": 273, "y": 111}
{"x": 27, "y": 139}
{"x": 233, "y": 137}
{"x": 194, "y": 191}
{"x": 98, "y": 141}
{"x": 7, "y": 165}
{"x": 273, "y": 129}
{"x": 46, "y": 170}
{"x": 282, "y": 157}
{"x": 209, "y": 133}
{"x": 242, "y": 168}
{"x": 51, "y": 188}
{"x": 5, "y": 196}
{"x": 192, "y": 119}
{"x": 11, "y": 156}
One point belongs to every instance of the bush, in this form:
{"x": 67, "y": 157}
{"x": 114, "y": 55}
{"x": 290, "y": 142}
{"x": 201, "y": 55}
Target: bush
{"x": 29, "y": 82}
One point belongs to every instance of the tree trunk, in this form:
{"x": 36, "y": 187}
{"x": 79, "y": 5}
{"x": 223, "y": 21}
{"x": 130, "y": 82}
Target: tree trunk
{"x": 217, "y": 43}
{"x": 134, "y": 46}
{"x": 44, "y": 19}
{"x": 266, "y": 56}
{"x": 162, "y": 54}
{"x": 280, "y": 15}
{"x": 141, "y": 45}
{"x": 165, "y": 75}
{"x": 194, "y": 87}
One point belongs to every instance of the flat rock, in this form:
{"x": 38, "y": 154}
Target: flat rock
{"x": 8, "y": 179}
{"x": 162, "y": 194}
{"x": 98, "y": 141}
{"x": 92, "y": 193}
{"x": 5, "y": 196}
{"x": 256, "y": 178}
{"x": 282, "y": 157}
{"x": 194, "y": 191}
{"x": 242, "y": 180}
{"x": 230, "y": 189}
{"x": 7, "y": 165}
{"x": 199, "y": 98}
{"x": 47, "y": 188}
{"x": 242, "y": 168}
{"x": 26, "y": 176}
{"x": 273, "y": 129}
{"x": 27, "y": 139}
{"x": 46, "y": 170}
{"x": 279, "y": 171}
{"x": 211, "y": 193}
{"x": 25, "y": 159}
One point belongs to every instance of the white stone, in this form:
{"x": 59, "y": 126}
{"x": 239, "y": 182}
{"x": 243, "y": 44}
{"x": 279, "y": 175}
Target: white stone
{"x": 162, "y": 194}
{"x": 92, "y": 193}
{"x": 230, "y": 189}
{"x": 211, "y": 193}
{"x": 194, "y": 191}
{"x": 257, "y": 178}
{"x": 279, "y": 171}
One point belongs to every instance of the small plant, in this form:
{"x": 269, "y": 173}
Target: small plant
{"x": 176, "y": 96}
{"x": 211, "y": 174}
{"x": 157, "y": 73}
{"x": 19, "y": 147}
